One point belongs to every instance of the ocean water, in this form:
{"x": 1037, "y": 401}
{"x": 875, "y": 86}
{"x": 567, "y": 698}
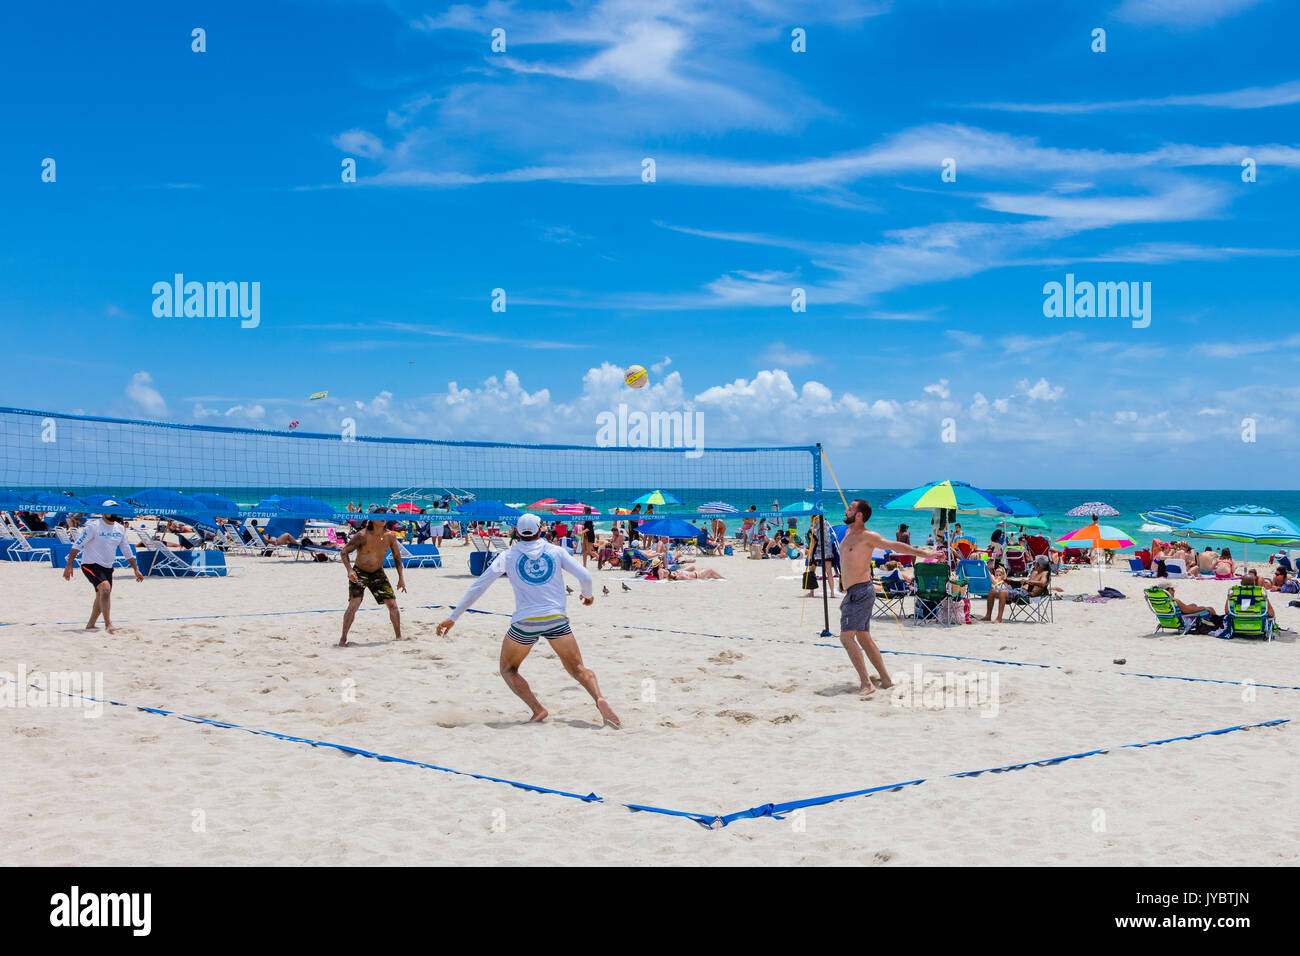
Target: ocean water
{"x": 1052, "y": 502}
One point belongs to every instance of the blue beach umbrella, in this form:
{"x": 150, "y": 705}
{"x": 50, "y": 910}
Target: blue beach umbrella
{"x": 162, "y": 501}
{"x": 1249, "y": 524}
{"x": 1170, "y": 518}
{"x": 799, "y": 506}
{"x": 302, "y": 505}
{"x": 12, "y": 501}
{"x": 96, "y": 499}
{"x": 669, "y": 528}
{"x": 488, "y": 509}
{"x": 219, "y": 504}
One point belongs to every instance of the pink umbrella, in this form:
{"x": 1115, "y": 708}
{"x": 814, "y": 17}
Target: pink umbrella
{"x": 577, "y": 509}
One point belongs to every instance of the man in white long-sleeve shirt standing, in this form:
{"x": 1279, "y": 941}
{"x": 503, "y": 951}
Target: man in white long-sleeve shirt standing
{"x": 535, "y": 569}
{"x": 99, "y": 544}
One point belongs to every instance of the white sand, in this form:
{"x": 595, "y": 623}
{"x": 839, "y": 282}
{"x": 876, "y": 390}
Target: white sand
{"x": 730, "y": 724}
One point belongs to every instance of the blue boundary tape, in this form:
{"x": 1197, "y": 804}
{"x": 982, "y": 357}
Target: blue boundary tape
{"x": 711, "y": 821}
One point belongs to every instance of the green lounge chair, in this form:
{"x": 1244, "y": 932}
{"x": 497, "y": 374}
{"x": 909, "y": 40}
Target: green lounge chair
{"x": 1248, "y": 613}
{"x": 1168, "y": 615}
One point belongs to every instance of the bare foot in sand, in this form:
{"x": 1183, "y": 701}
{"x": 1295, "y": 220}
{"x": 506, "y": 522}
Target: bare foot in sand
{"x": 91, "y": 627}
{"x": 607, "y": 712}
{"x": 866, "y": 690}
{"x": 110, "y": 629}
{"x": 343, "y": 643}
{"x": 538, "y": 716}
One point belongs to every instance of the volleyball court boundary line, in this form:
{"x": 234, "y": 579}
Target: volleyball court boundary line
{"x": 709, "y": 821}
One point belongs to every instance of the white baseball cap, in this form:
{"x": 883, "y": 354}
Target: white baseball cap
{"x": 529, "y": 525}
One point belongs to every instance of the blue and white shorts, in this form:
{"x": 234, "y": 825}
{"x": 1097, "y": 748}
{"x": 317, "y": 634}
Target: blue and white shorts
{"x": 528, "y": 630}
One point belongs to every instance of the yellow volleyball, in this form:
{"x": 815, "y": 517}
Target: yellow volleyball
{"x": 635, "y": 377}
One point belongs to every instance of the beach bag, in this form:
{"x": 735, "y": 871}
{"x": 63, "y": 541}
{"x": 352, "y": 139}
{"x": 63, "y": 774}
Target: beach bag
{"x": 1291, "y": 587}
{"x": 951, "y": 612}
{"x": 809, "y": 579}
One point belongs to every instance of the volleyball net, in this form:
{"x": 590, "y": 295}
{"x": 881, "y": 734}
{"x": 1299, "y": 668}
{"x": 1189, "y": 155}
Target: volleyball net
{"x": 51, "y": 454}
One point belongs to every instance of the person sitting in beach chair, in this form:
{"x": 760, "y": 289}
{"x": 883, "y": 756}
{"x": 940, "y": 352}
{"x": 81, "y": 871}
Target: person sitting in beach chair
{"x": 1020, "y": 591}
{"x": 1176, "y": 615}
{"x": 1248, "y": 612}
{"x": 660, "y": 571}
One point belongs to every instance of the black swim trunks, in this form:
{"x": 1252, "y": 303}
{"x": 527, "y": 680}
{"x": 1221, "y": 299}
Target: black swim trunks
{"x": 97, "y": 574}
{"x": 374, "y": 581}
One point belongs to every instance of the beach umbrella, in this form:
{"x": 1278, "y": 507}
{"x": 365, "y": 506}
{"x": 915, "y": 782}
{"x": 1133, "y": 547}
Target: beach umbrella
{"x": 408, "y": 507}
{"x": 718, "y": 508}
{"x": 12, "y": 501}
{"x": 216, "y": 503}
{"x": 1249, "y": 524}
{"x": 620, "y": 511}
{"x": 49, "y": 501}
{"x": 488, "y": 508}
{"x": 799, "y": 506}
{"x": 163, "y": 501}
{"x": 1089, "y": 508}
{"x": 1165, "y": 519}
{"x": 550, "y": 504}
{"x": 301, "y": 505}
{"x": 669, "y": 528}
{"x": 575, "y": 509}
{"x": 1096, "y": 537}
{"x": 948, "y": 496}
{"x": 656, "y": 498}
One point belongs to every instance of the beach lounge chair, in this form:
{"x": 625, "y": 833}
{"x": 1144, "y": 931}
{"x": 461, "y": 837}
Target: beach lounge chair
{"x": 416, "y": 556}
{"x": 976, "y": 574}
{"x": 931, "y": 592}
{"x": 1175, "y": 568}
{"x": 1034, "y": 610}
{"x": 1168, "y": 615}
{"x": 167, "y": 563}
{"x": 1248, "y": 613}
{"x": 890, "y": 603}
{"x": 18, "y": 547}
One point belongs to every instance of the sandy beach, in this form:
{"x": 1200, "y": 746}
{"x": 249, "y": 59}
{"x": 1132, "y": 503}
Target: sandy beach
{"x": 729, "y": 701}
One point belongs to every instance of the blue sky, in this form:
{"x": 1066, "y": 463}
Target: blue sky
{"x": 775, "y": 170}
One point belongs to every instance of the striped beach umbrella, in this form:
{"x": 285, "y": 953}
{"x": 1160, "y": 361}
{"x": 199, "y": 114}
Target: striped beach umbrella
{"x": 1170, "y": 518}
{"x": 1096, "y": 536}
{"x": 656, "y": 498}
{"x": 949, "y": 496}
{"x": 718, "y": 508}
{"x": 578, "y": 508}
{"x": 1089, "y": 508}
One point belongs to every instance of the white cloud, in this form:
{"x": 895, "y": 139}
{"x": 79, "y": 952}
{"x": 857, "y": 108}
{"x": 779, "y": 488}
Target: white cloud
{"x": 142, "y": 392}
{"x": 658, "y": 367}
{"x": 940, "y": 389}
{"x": 360, "y": 142}
{"x": 1250, "y": 98}
{"x": 1042, "y": 391}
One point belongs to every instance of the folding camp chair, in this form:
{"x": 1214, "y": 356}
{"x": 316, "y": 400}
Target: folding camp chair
{"x": 1248, "y": 613}
{"x": 890, "y": 603}
{"x": 1168, "y": 615}
{"x": 931, "y": 592}
{"x": 1035, "y": 610}
{"x": 1016, "y": 561}
{"x": 976, "y": 574}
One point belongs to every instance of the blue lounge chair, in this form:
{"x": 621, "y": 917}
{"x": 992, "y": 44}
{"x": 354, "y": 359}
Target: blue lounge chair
{"x": 976, "y": 573}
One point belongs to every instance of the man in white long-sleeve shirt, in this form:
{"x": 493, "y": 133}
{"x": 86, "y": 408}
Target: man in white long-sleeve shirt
{"x": 99, "y": 544}
{"x": 535, "y": 569}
